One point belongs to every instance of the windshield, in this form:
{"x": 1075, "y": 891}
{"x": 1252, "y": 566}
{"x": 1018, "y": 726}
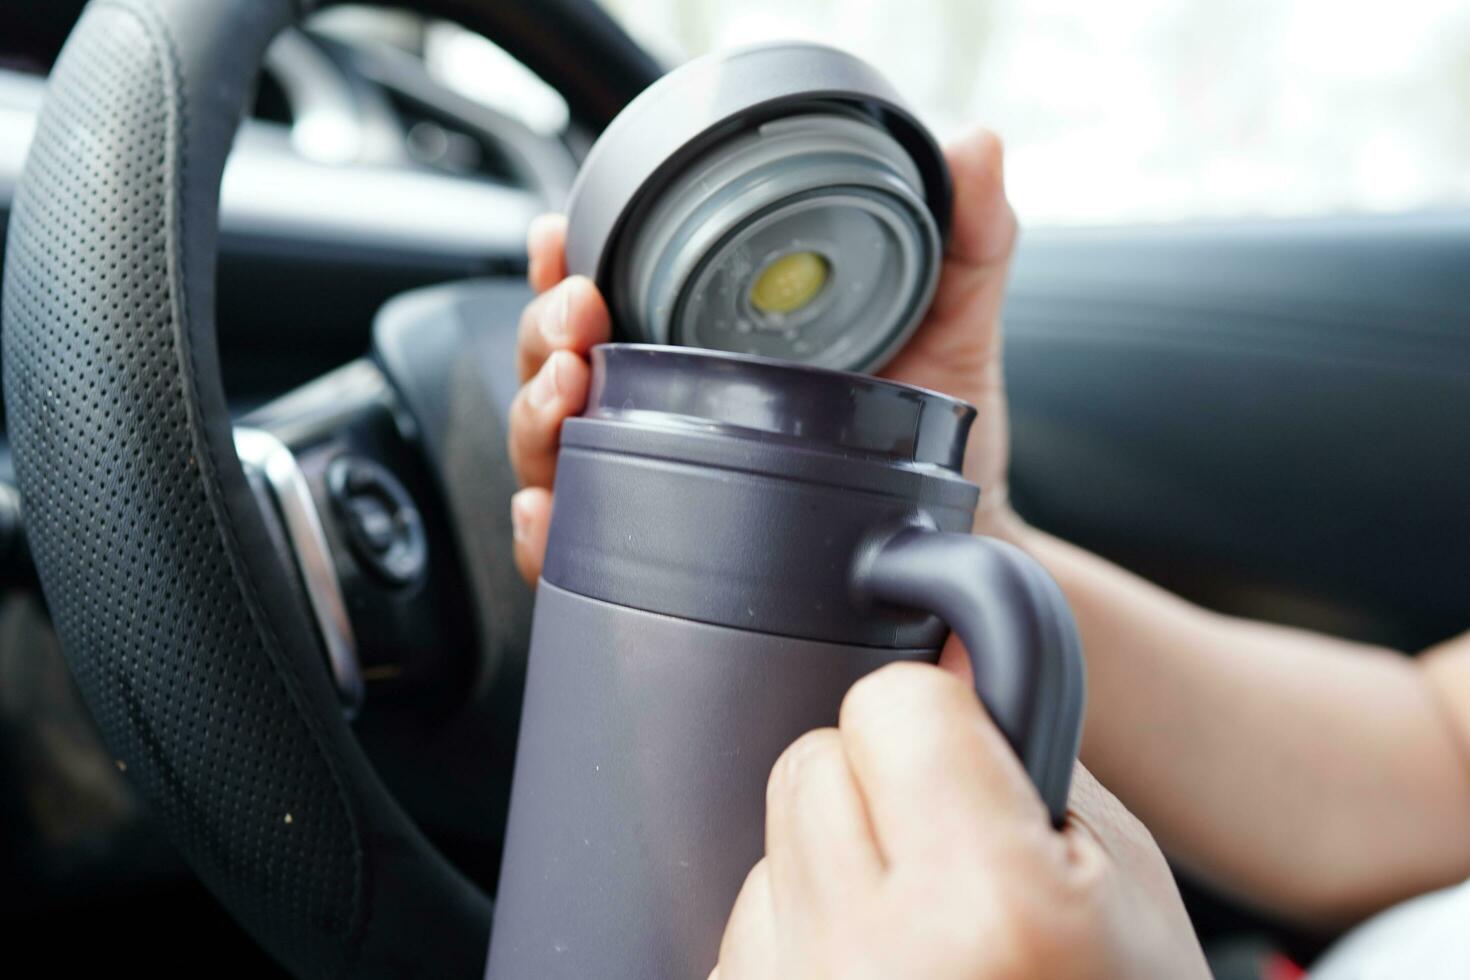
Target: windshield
{"x": 1155, "y": 110}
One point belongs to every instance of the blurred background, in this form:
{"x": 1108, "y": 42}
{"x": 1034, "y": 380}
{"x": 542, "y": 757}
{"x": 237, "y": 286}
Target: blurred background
{"x": 1134, "y": 110}
{"x": 1157, "y": 109}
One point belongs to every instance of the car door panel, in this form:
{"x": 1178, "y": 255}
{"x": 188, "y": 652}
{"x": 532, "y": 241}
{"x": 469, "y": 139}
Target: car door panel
{"x": 1272, "y": 417}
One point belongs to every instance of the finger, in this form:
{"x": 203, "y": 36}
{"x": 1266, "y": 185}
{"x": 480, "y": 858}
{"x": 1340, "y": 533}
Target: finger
{"x": 748, "y": 948}
{"x": 819, "y": 842}
{"x": 983, "y": 231}
{"x": 530, "y": 520}
{"x": 972, "y": 281}
{"x": 546, "y": 251}
{"x": 939, "y": 779}
{"x": 557, "y": 391}
{"x": 571, "y": 316}
{"x": 953, "y": 658}
{"x": 984, "y": 227}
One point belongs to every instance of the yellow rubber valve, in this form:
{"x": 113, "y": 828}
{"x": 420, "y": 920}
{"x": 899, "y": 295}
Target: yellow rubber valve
{"x": 789, "y": 283}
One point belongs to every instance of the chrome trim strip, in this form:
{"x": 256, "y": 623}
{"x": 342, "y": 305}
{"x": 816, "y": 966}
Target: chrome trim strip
{"x": 264, "y": 453}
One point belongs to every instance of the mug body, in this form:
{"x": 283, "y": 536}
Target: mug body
{"x": 639, "y": 798}
{"x": 695, "y": 616}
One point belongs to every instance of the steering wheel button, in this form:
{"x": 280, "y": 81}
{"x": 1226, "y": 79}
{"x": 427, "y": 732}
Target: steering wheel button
{"x": 379, "y": 519}
{"x": 372, "y": 520}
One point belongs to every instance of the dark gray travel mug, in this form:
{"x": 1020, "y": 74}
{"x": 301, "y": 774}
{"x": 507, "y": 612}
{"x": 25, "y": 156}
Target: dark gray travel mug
{"x": 735, "y": 542}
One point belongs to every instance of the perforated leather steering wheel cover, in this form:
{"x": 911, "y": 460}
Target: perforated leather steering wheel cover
{"x": 188, "y": 643}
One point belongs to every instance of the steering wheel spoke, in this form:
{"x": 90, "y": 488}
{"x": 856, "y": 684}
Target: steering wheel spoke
{"x": 358, "y": 522}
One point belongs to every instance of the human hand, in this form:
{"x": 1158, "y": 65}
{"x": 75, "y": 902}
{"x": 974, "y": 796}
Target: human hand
{"x": 908, "y": 842}
{"x": 956, "y": 350}
{"x": 567, "y": 318}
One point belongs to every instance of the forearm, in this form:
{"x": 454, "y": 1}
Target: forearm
{"x": 1317, "y": 777}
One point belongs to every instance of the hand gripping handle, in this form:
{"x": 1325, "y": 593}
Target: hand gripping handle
{"x": 1015, "y": 625}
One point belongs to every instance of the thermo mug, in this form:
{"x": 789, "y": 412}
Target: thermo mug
{"x": 735, "y": 541}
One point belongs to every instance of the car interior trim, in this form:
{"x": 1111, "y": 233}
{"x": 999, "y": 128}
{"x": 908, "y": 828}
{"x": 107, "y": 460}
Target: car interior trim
{"x": 263, "y": 453}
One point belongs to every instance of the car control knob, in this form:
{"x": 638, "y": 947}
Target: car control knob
{"x": 382, "y": 524}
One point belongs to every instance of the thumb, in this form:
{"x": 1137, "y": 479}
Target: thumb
{"x": 984, "y": 226}
{"x": 983, "y": 233}
{"x": 959, "y": 340}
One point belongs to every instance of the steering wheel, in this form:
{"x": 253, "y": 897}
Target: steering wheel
{"x": 200, "y": 602}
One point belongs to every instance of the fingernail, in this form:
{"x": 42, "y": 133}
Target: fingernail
{"x": 544, "y": 386}
{"x": 520, "y": 521}
{"x": 558, "y": 312}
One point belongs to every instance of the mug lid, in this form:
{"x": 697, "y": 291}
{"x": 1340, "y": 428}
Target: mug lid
{"x": 769, "y": 400}
{"x": 684, "y": 112}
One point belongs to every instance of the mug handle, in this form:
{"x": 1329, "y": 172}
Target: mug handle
{"x": 1015, "y": 625}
